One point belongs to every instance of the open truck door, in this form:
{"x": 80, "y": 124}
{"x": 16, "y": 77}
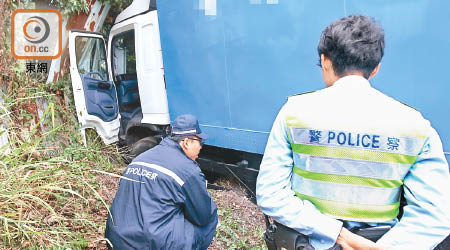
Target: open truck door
{"x": 94, "y": 92}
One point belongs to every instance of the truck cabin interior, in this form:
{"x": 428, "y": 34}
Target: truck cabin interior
{"x": 123, "y": 59}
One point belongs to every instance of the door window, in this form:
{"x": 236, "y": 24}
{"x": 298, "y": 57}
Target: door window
{"x": 91, "y": 57}
{"x": 124, "y": 56}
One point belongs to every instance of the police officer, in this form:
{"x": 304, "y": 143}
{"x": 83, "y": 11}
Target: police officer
{"x": 339, "y": 158}
{"x": 162, "y": 201}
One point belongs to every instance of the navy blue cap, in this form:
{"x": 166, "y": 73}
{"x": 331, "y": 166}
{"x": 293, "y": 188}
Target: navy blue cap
{"x": 185, "y": 125}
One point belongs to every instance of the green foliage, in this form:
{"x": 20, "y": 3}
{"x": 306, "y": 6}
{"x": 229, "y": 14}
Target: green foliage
{"x": 118, "y": 6}
{"x": 23, "y": 4}
{"x": 73, "y": 7}
{"x": 232, "y": 234}
{"x": 48, "y": 179}
{"x": 114, "y": 11}
{"x": 66, "y": 7}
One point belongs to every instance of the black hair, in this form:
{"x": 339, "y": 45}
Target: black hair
{"x": 353, "y": 44}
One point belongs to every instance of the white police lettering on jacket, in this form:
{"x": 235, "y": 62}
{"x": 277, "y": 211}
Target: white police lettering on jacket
{"x": 142, "y": 172}
{"x": 365, "y": 140}
{"x": 354, "y": 139}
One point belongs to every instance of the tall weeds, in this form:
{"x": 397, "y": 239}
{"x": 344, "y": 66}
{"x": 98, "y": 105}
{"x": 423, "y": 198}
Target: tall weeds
{"x": 48, "y": 191}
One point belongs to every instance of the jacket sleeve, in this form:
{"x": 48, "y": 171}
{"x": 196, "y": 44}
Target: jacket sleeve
{"x": 276, "y": 199}
{"x": 426, "y": 217}
{"x": 199, "y": 208}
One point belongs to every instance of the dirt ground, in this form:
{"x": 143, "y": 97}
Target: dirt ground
{"x": 241, "y": 223}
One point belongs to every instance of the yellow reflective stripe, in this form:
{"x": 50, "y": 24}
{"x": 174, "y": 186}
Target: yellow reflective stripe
{"x": 344, "y": 179}
{"x": 292, "y": 121}
{"x": 289, "y": 136}
{"x": 354, "y": 212}
{"x": 352, "y": 153}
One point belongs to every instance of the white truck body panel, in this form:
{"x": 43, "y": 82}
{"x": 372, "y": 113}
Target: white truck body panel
{"x": 150, "y": 70}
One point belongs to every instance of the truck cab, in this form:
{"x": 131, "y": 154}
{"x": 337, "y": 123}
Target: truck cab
{"x": 119, "y": 86}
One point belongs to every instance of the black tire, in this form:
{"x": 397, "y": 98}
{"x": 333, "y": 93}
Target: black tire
{"x": 143, "y": 145}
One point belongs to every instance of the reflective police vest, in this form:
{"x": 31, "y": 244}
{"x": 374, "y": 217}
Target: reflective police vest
{"x": 350, "y": 157}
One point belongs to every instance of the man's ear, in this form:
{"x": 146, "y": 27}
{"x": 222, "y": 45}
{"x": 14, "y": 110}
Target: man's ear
{"x": 375, "y": 71}
{"x": 183, "y": 143}
{"x": 322, "y": 58}
{"x": 325, "y": 62}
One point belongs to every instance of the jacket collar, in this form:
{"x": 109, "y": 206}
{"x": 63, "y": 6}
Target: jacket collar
{"x": 353, "y": 80}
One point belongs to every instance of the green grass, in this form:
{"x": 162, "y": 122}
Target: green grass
{"x": 234, "y": 233}
{"x": 49, "y": 200}
{"x": 48, "y": 189}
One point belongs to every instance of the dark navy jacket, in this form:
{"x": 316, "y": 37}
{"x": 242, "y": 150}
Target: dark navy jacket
{"x": 163, "y": 203}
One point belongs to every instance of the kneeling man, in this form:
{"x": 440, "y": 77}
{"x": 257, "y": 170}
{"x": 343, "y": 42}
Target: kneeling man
{"x": 162, "y": 201}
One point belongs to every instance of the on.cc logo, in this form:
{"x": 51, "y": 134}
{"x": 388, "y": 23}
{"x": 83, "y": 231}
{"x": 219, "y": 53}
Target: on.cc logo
{"x": 36, "y": 34}
{"x": 36, "y": 29}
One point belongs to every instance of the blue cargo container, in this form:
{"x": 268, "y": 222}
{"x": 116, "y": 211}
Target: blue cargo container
{"x": 233, "y": 63}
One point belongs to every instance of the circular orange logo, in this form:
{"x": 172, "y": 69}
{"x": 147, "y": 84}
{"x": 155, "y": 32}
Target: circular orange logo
{"x": 36, "y": 29}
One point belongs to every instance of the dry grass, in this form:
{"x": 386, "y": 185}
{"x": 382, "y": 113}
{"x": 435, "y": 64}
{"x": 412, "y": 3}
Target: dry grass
{"x": 241, "y": 221}
{"x": 52, "y": 201}
{"x": 48, "y": 189}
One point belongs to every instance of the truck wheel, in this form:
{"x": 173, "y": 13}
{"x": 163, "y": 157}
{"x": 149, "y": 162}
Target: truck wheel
{"x": 143, "y": 145}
